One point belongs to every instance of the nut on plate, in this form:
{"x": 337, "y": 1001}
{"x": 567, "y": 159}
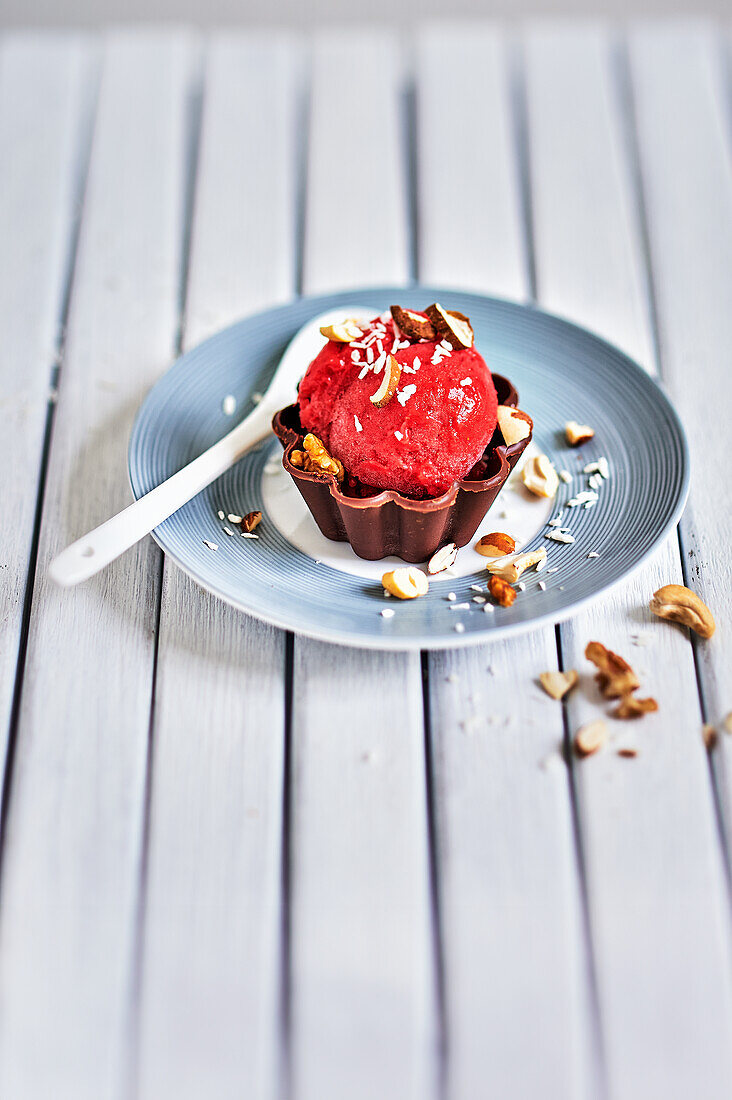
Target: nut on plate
{"x": 496, "y": 545}
{"x": 615, "y": 677}
{"x": 388, "y": 385}
{"x": 557, "y": 684}
{"x": 250, "y": 521}
{"x": 412, "y": 325}
{"x": 515, "y": 425}
{"x": 511, "y": 570}
{"x": 540, "y": 477}
{"x": 577, "y": 434}
{"x": 406, "y": 583}
{"x": 501, "y": 591}
{"x": 590, "y": 737}
{"x": 343, "y": 332}
{"x": 451, "y": 326}
{"x": 442, "y": 558}
{"x": 681, "y": 605}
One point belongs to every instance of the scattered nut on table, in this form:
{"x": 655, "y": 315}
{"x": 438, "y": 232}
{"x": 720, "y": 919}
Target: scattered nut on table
{"x": 590, "y": 737}
{"x": 557, "y": 684}
{"x": 681, "y": 605}
{"x": 630, "y": 706}
{"x": 250, "y": 521}
{"x": 615, "y": 676}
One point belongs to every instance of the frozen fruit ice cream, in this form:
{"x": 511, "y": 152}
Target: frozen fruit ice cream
{"x": 431, "y": 431}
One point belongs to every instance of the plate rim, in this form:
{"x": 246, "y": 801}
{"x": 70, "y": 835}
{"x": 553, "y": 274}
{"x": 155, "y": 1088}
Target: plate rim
{"x": 429, "y": 641}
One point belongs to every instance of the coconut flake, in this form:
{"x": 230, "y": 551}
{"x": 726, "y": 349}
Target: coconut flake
{"x": 228, "y": 405}
{"x": 466, "y": 381}
{"x": 357, "y": 422}
{"x": 404, "y": 395}
{"x": 399, "y": 436}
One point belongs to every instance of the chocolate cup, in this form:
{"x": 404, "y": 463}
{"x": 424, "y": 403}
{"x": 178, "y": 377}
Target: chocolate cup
{"x": 391, "y": 524}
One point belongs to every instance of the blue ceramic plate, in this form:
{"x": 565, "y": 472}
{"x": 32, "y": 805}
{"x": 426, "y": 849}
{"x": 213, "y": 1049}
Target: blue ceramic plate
{"x": 293, "y": 577}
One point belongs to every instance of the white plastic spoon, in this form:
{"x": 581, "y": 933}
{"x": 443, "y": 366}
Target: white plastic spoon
{"x": 90, "y": 554}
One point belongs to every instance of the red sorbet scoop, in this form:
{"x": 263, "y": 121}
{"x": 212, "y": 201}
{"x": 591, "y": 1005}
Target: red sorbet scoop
{"x": 430, "y": 434}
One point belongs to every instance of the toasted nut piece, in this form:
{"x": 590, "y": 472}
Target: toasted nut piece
{"x": 615, "y": 677}
{"x": 630, "y": 706}
{"x": 590, "y": 738}
{"x": 250, "y": 521}
{"x": 412, "y": 325}
{"x": 316, "y": 460}
{"x": 343, "y": 332}
{"x": 557, "y": 684}
{"x": 680, "y": 604}
{"x": 511, "y": 570}
{"x": 577, "y": 434}
{"x": 389, "y": 383}
{"x": 709, "y": 736}
{"x": 442, "y": 558}
{"x": 629, "y": 753}
{"x": 501, "y": 591}
{"x": 495, "y": 545}
{"x": 451, "y": 326}
{"x": 540, "y": 477}
{"x": 514, "y": 424}
{"x": 406, "y": 583}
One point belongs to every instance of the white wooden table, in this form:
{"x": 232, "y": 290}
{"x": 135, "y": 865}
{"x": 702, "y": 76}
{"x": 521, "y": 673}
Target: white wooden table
{"x": 236, "y": 863}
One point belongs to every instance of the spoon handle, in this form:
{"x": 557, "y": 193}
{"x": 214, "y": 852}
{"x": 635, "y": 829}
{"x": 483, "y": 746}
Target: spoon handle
{"x": 90, "y": 554}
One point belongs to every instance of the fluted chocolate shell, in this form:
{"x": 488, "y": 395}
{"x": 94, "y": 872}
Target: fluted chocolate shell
{"x": 392, "y": 524}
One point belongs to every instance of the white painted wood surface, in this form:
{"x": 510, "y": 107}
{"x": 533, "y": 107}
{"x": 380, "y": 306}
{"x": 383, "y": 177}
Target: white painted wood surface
{"x": 45, "y": 88}
{"x": 147, "y": 946}
{"x": 657, "y": 961}
{"x": 500, "y": 825}
{"x": 218, "y": 732}
{"x": 681, "y": 89}
{"x": 363, "y": 1011}
{"x": 71, "y": 859}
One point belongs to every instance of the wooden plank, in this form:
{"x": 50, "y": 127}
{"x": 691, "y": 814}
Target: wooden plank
{"x": 44, "y": 96}
{"x": 70, "y": 885}
{"x": 682, "y": 108}
{"x": 506, "y": 849}
{"x": 648, "y": 826}
{"x": 211, "y": 974}
{"x": 362, "y": 978}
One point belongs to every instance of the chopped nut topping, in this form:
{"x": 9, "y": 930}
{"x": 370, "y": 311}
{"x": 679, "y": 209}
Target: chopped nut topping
{"x": 511, "y": 570}
{"x": 681, "y": 605}
{"x": 316, "y": 460}
{"x": 628, "y": 753}
{"x": 615, "y": 677}
{"x": 495, "y": 545}
{"x": 250, "y": 521}
{"x": 442, "y": 558}
{"x": 501, "y": 591}
{"x": 630, "y": 706}
{"x": 343, "y": 332}
{"x": 577, "y": 434}
{"x": 412, "y": 325}
{"x": 557, "y": 684}
{"x": 514, "y": 424}
{"x": 590, "y": 738}
{"x": 406, "y": 583}
{"x": 389, "y": 384}
{"x": 540, "y": 477}
{"x": 453, "y": 327}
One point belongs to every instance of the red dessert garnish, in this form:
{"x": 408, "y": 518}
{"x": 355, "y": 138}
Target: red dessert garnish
{"x": 427, "y": 436}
